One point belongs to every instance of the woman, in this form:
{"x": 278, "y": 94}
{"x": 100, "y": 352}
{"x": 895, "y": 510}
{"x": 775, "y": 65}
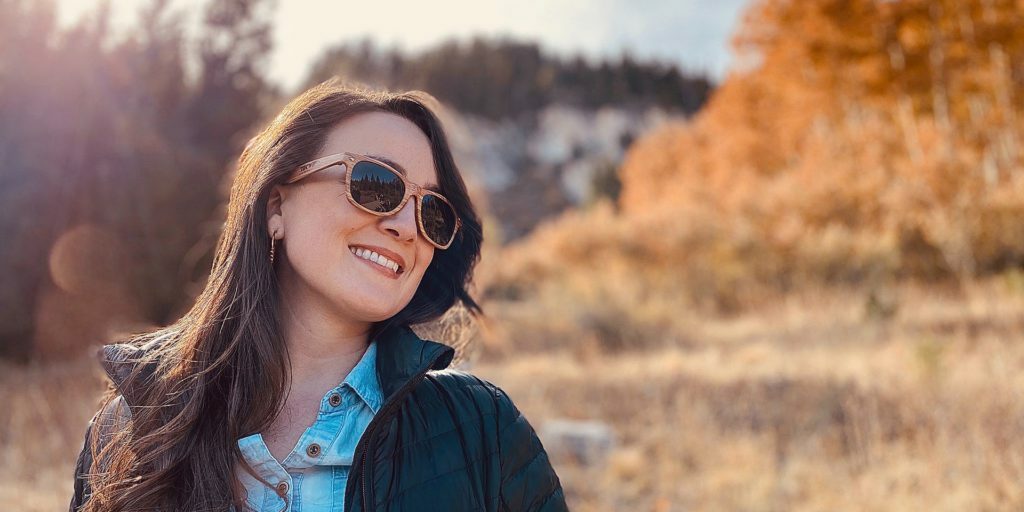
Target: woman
{"x": 295, "y": 382}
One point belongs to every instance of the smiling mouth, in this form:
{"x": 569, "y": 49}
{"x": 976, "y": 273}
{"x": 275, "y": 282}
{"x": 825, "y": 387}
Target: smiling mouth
{"x": 380, "y": 261}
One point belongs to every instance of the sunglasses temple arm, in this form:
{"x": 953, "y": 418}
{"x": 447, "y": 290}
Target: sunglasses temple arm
{"x": 316, "y": 166}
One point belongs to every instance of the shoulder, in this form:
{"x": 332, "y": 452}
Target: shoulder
{"x": 527, "y": 480}
{"x": 461, "y": 380}
{"x": 466, "y": 385}
{"x": 475, "y": 395}
{"x": 113, "y": 417}
{"x": 115, "y": 412}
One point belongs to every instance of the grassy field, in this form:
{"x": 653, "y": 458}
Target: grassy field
{"x": 806, "y": 403}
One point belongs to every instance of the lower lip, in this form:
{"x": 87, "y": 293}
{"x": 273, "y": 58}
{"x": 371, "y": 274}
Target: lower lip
{"x": 386, "y": 272}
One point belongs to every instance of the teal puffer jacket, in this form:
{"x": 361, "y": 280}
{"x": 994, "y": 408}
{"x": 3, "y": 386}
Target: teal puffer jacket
{"x": 442, "y": 440}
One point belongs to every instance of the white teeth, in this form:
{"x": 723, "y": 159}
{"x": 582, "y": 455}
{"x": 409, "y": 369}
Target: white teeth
{"x": 367, "y": 254}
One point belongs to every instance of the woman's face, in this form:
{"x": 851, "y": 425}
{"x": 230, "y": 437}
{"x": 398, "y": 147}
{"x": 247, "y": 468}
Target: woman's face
{"x": 319, "y": 228}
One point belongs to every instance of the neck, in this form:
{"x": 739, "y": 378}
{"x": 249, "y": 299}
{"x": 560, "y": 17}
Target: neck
{"x": 323, "y": 346}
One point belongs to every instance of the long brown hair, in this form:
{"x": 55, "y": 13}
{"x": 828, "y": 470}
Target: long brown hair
{"x": 221, "y": 372}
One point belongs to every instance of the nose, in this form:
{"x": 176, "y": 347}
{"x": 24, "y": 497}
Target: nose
{"x": 402, "y": 225}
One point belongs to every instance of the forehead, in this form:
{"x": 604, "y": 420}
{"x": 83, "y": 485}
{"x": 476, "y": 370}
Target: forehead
{"x": 389, "y": 137}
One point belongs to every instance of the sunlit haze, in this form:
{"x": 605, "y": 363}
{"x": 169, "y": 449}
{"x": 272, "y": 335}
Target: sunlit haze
{"x": 693, "y": 33}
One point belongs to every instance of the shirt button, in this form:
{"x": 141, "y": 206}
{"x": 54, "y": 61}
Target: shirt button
{"x": 334, "y": 400}
{"x": 282, "y": 488}
{"x": 313, "y": 450}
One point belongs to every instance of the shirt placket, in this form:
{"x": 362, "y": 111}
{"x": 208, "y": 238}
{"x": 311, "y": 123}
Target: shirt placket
{"x": 315, "y": 445}
{"x": 318, "y": 438}
{"x": 256, "y": 453}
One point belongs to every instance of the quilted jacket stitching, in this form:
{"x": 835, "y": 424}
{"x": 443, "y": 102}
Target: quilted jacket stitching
{"x": 464, "y": 445}
{"x": 406, "y": 490}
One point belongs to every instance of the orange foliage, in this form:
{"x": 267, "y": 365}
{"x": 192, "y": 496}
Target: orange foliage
{"x": 893, "y": 121}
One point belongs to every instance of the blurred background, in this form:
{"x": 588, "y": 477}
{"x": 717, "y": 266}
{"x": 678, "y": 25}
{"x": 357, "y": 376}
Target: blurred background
{"x": 749, "y": 255}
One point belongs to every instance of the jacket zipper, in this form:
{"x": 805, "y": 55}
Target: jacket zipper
{"x": 388, "y": 407}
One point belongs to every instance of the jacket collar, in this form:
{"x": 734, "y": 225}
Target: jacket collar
{"x": 401, "y": 355}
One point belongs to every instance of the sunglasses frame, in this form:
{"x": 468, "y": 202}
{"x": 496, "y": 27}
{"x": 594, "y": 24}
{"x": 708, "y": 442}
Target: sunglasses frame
{"x": 349, "y": 161}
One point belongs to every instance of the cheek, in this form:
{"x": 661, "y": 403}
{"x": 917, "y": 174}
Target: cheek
{"x": 315, "y": 235}
{"x": 426, "y": 256}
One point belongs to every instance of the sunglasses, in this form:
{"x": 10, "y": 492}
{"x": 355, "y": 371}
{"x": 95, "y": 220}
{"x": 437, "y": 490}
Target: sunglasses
{"x": 379, "y": 189}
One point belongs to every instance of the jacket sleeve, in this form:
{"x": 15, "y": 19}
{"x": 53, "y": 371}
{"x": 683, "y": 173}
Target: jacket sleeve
{"x": 108, "y": 420}
{"x": 528, "y": 482}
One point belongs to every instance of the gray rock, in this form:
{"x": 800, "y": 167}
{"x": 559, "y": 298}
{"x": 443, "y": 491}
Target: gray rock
{"x": 584, "y": 442}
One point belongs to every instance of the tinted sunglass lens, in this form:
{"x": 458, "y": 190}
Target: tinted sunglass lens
{"x": 375, "y": 187}
{"x": 438, "y": 219}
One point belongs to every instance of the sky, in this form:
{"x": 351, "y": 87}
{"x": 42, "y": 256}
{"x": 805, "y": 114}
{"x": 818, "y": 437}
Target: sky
{"x": 692, "y": 33}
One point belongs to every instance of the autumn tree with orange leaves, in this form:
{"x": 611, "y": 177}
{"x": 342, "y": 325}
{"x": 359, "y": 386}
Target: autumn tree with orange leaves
{"x": 891, "y": 130}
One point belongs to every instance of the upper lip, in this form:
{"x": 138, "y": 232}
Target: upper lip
{"x": 391, "y": 255}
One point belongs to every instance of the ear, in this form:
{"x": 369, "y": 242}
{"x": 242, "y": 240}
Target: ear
{"x": 275, "y": 219}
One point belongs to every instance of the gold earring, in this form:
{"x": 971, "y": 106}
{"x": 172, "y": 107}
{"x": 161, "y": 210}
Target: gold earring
{"x": 273, "y": 242}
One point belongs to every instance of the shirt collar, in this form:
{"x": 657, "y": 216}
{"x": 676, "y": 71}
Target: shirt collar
{"x": 363, "y": 378}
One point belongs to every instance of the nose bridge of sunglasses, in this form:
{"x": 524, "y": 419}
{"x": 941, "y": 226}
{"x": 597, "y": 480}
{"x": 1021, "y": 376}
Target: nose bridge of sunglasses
{"x": 404, "y": 213}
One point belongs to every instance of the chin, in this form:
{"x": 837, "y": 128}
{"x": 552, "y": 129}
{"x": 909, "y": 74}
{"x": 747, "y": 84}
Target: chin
{"x": 379, "y": 317}
{"x": 370, "y": 311}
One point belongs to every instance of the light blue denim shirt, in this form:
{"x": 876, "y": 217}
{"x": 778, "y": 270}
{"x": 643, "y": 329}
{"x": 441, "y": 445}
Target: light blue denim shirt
{"x": 313, "y": 476}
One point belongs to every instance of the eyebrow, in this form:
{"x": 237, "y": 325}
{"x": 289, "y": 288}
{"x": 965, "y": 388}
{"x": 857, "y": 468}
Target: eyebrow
{"x": 401, "y": 170}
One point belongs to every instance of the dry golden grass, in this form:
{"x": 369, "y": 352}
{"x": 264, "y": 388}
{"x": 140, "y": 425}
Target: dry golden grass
{"x": 804, "y": 403}
{"x": 42, "y": 427}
